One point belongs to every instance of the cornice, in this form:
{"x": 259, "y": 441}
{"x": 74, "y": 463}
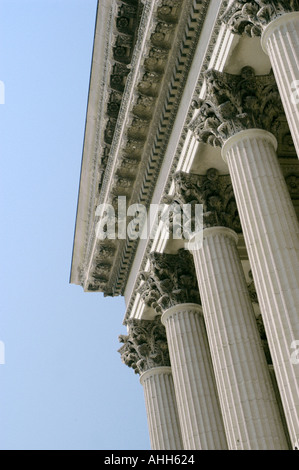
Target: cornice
{"x": 162, "y": 122}
{"x": 97, "y": 125}
{"x": 97, "y": 93}
{"x": 134, "y": 129}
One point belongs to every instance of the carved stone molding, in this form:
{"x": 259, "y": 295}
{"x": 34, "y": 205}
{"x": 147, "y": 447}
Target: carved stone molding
{"x": 238, "y": 102}
{"x": 127, "y": 23}
{"x": 214, "y": 192}
{"x": 145, "y": 347}
{"x": 186, "y": 17}
{"x": 139, "y": 125}
{"x": 170, "y": 281}
{"x": 252, "y": 16}
{"x": 101, "y": 268}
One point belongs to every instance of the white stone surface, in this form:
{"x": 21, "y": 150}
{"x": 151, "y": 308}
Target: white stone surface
{"x": 271, "y": 233}
{"x": 178, "y": 128}
{"x": 161, "y": 409}
{"x": 249, "y": 408}
{"x": 97, "y": 101}
{"x": 194, "y": 382}
{"x": 281, "y": 41}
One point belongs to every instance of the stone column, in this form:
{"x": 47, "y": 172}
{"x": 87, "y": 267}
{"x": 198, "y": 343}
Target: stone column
{"x": 145, "y": 350}
{"x": 200, "y": 417}
{"x": 161, "y": 409}
{"x": 262, "y": 332}
{"x": 171, "y": 288}
{"x": 281, "y": 41}
{"x": 271, "y": 232}
{"x": 277, "y": 22}
{"x": 249, "y": 407}
{"x": 270, "y": 226}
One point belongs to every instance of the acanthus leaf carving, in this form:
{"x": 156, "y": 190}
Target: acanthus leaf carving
{"x": 170, "y": 281}
{"x": 145, "y": 346}
{"x": 250, "y": 17}
{"x": 237, "y": 102}
{"x": 214, "y": 192}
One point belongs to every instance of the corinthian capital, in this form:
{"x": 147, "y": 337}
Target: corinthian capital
{"x": 170, "y": 281}
{"x": 214, "y": 192}
{"x": 145, "y": 347}
{"x": 237, "y": 102}
{"x": 252, "y": 16}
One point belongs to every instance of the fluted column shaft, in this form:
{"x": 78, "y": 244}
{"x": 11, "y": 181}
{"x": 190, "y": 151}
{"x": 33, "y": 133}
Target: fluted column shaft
{"x": 271, "y": 233}
{"x": 249, "y": 408}
{"x": 280, "y": 407}
{"x": 280, "y": 41}
{"x": 161, "y": 409}
{"x": 198, "y": 404}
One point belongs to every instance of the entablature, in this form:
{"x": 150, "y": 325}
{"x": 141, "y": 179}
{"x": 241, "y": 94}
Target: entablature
{"x": 142, "y": 119}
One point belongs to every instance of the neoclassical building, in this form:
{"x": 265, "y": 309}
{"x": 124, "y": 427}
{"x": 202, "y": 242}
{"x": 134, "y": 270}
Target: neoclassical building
{"x": 196, "y": 103}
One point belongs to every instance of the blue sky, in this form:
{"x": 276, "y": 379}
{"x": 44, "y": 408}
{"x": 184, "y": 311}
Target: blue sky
{"x": 63, "y": 385}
